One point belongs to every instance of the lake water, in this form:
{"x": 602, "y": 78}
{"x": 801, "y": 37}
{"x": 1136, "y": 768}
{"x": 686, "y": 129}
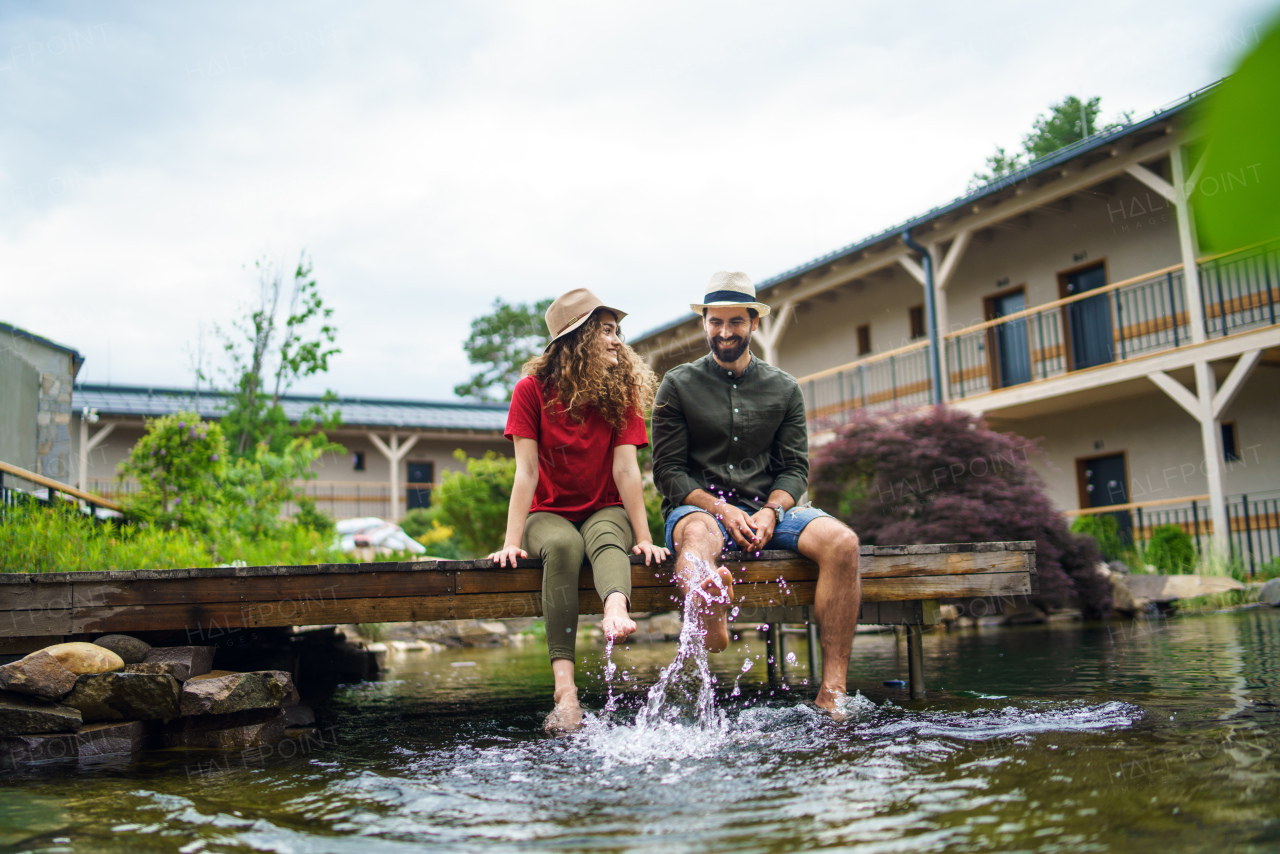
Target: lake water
{"x": 1151, "y": 736}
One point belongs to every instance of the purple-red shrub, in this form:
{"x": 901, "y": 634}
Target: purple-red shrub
{"x": 939, "y": 475}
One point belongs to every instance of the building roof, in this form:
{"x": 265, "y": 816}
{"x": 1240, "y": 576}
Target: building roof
{"x": 76, "y": 359}
{"x": 153, "y": 402}
{"x": 1043, "y": 164}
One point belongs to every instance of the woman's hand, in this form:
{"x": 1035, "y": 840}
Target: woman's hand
{"x": 646, "y": 547}
{"x": 506, "y": 553}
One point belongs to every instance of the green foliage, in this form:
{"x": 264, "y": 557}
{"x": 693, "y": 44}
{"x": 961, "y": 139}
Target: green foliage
{"x": 313, "y": 519}
{"x": 1104, "y": 528}
{"x": 267, "y": 352}
{"x": 1068, "y": 121}
{"x": 178, "y": 464}
{"x": 653, "y": 514}
{"x": 474, "y": 502}
{"x": 257, "y": 488}
{"x": 35, "y": 538}
{"x": 1170, "y": 550}
{"x": 1238, "y": 147}
{"x": 424, "y": 525}
{"x": 500, "y": 342}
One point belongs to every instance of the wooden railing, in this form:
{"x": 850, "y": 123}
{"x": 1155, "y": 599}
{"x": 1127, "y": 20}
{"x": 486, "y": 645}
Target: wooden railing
{"x": 10, "y": 495}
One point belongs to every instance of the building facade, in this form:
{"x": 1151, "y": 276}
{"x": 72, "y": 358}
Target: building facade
{"x": 395, "y": 451}
{"x": 36, "y": 378}
{"x": 1073, "y": 306}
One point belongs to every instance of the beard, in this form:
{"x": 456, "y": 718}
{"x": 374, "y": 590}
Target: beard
{"x": 729, "y": 349}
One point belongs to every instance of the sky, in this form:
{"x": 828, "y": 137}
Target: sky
{"x": 430, "y": 157}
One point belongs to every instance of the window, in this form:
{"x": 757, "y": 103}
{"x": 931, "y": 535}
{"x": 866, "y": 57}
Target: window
{"x": 357, "y": 461}
{"x": 864, "y": 339}
{"x": 916, "y": 313}
{"x": 1230, "y": 451}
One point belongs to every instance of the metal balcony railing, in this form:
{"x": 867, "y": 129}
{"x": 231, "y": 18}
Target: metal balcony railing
{"x": 1240, "y": 292}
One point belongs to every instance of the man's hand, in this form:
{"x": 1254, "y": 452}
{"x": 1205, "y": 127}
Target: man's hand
{"x": 764, "y": 521}
{"x": 741, "y": 527}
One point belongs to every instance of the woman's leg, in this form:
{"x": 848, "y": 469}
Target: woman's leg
{"x": 557, "y": 542}
{"x": 608, "y": 537}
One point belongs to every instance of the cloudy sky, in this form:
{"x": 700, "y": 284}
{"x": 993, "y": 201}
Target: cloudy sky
{"x": 432, "y": 156}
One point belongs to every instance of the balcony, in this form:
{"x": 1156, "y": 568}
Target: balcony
{"x": 1102, "y": 326}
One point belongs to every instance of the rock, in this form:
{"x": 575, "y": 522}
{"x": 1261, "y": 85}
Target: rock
{"x": 21, "y": 715}
{"x": 1122, "y": 598}
{"x": 299, "y": 715}
{"x": 31, "y": 749}
{"x": 39, "y": 674}
{"x": 1270, "y": 593}
{"x": 188, "y": 660}
{"x": 125, "y": 696}
{"x": 111, "y": 739}
{"x": 228, "y": 732}
{"x": 236, "y": 692}
{"x": 1119, "y": 567}
{"x": 668, "y": 624}
{"x": 156, "y": 668}
{"x": 81, "y": 658}
{"x": 1067, "y": 615}
{"x": 1170, "y": 588}
{"x": 948, "y": 613}
{"x": 130, "y": 649}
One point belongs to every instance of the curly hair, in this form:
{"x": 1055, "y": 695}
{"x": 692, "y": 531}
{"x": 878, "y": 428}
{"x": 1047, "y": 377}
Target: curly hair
{"x": 574, "y": 374}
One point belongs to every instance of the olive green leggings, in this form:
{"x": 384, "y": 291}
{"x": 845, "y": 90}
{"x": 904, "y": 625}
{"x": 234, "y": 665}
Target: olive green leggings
{"x": 605, "y": 538}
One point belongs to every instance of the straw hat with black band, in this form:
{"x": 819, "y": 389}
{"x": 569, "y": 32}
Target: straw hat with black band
{"x": 571, "y": 310}
{"x": 727, "y": 289}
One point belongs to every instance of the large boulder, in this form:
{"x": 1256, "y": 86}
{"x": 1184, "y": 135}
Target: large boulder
{"x": 187, "y": 661}
{"x": 82, "y": 658}
{"x": 111, "y": 739}
{"x": 236, "y": 692}
{"x": 130, "y": 649}
{"x": 1269, "y": 593}
{"x": 125, "y": 696}
{"x": 39, "y": 674}
{"x": 1170, "y": 588}
{"x": 21, "y": 715}
{"x": 90, "y": 742}
{"x": 239, "y": 731}
{"x": 1122, "y": 598}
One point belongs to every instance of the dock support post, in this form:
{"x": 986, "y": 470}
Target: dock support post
{"x": 773, "y": 650}
{"x": 915, "y": 660}
{"x": 811, "y": 625}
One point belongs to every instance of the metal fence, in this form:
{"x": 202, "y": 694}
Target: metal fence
{"x": 897, "y": 378}
{"x": 1253, "y": 520}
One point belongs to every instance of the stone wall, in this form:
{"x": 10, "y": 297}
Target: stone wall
{"x": 57, "y": 368}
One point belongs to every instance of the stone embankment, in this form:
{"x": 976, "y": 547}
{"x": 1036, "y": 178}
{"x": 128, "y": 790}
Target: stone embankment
{"x": 119, "y": 695}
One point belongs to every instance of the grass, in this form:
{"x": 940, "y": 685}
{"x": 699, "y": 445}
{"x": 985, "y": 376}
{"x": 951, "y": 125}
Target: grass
{"x": 34, "y": 538}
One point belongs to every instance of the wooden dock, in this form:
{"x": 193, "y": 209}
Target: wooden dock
{"x": 204, "y": 600}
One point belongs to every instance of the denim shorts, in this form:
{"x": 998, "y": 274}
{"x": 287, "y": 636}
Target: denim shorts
{"x": 786, "y": 536}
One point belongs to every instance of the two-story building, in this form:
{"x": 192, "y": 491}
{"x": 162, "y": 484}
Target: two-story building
{"x": 1071, "y": 305}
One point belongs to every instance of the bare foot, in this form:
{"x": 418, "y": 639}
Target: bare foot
{"x": 617, "y": 623}
{"x": 833, "y": 703}
{"x": 566, "y": 716}
{"x": 717, "y": 595}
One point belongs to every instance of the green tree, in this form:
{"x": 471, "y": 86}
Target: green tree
{"x": 1068, "y": 121}
{"x": 256, "y": 489}
{"x": 474, "y": 503}
{"x": 268, "y": 350}
{"x": 179, "y": 464}
{"x": 500, "y": 342}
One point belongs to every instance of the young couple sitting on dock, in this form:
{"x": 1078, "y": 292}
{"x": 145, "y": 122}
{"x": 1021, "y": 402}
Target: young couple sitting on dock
{"x": 730, "y": 459}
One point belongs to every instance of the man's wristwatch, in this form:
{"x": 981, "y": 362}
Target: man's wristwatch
{"x": 778, "y": 511}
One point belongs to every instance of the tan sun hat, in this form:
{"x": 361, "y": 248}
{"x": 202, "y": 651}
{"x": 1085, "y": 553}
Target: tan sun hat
{"x": 730, "y": 289}
{"x": 573, "y": 309}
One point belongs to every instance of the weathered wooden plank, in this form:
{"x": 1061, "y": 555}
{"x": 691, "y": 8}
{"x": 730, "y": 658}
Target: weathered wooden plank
{"x": 361, "y": 585}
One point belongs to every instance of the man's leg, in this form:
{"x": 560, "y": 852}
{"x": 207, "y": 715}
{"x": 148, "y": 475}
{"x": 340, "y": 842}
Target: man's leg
{"x": 697, "y": 537}
{"x": 836, "y": 601}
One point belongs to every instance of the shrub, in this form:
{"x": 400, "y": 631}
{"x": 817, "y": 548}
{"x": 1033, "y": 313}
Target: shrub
{"x": 474, "y": 502}
{"x": 1105, "y": 530}
{"x": 35, "y": 538}
{"x": 939, "y": 475}
{"x": 1170, "y": 550}
{"x": 178, "y": 463}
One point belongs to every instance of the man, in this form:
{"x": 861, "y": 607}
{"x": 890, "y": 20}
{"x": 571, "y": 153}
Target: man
{"x": 731, "y": 460}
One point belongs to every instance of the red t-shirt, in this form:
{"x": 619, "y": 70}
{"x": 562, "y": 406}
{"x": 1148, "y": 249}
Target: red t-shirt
{"x": 575, "y": 461}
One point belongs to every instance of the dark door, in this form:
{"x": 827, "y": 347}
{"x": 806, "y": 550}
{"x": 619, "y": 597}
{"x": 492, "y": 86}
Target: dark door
{"x": 421, "y": 476}
{"x": 1089, "y": 320}
{"x": 1012, "y": 356}
{"x": 1104, "y": 484}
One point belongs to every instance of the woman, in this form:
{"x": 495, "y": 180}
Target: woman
{"x": 576, "y": 421}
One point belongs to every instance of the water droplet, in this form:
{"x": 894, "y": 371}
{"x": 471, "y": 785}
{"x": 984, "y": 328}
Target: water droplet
{"x": 746, "y": 665}
{"x": 791, "y": 658}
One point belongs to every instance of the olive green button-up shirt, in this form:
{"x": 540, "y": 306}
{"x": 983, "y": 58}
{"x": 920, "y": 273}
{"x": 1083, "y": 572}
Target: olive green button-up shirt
{"x": 740, "y": 437}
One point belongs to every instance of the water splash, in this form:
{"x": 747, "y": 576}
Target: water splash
{"x": 610, "y": 668}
